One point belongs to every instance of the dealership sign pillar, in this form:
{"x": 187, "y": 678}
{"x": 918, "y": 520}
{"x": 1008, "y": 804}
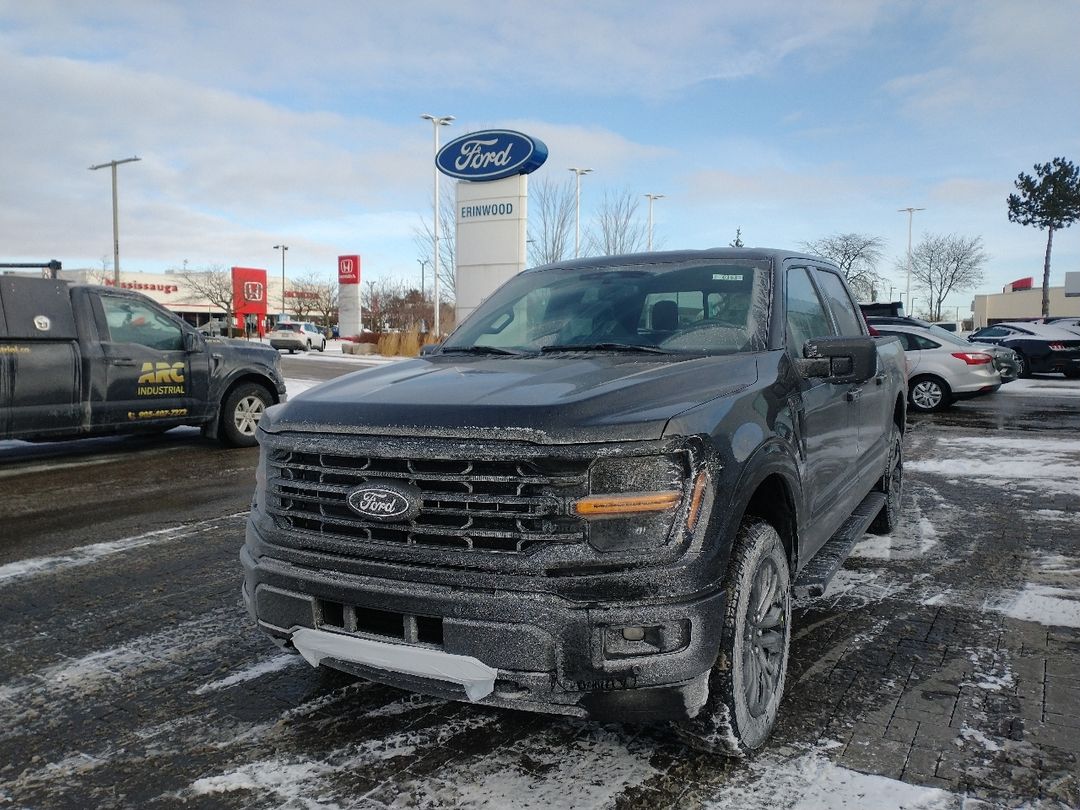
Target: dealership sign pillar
{"x": 350, "y": 319}
{"x": 492, "y": 208}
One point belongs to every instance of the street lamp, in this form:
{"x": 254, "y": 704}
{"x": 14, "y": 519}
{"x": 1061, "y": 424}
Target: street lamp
{"x": 577, "y": 210}
{"x": 282, "y": 248}
{"x": 651, "y": 198}
{"x": 436, "y": 122}
{"x": 115, "y": 228}
{"x": 910, "y": 214}
{"x": 423, "y": 264}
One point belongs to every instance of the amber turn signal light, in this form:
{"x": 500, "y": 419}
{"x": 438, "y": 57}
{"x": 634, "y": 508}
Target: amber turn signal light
{"x": 630, "y": 503}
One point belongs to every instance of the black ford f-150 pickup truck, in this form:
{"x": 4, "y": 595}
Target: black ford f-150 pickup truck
{"x": 595, "y": 498}
{"x": 82, "y": 360}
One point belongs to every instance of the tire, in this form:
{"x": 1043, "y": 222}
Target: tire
{"x": 292, "y": 350}
{"x": 892, "y": 484}
{"x": 928, "y": 394}
{"x": 1025, "y": 366}
{"x": 308, "y": 349}
{"x": 322, "y": 347}
{"x": 241, "y": 412}
{"x": 746, "y": 683}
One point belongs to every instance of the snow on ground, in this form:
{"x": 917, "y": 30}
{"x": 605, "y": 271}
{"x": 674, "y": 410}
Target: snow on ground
{"x": 1047, "y": 605}
{"x": 85, "y": 555}
{"x": 1039, "y": 386}
{"x": 813, "y": 782}
{"x": 274, "y": 664}
{"x": 1041, "y": 465}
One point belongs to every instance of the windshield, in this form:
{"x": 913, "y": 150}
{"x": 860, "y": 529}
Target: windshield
{"x": 679, "y": 308}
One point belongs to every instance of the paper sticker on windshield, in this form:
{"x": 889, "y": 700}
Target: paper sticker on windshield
{"x": 727, "y": 277}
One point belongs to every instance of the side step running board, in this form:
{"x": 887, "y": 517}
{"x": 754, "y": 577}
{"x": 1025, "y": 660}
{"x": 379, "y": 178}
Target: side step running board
{"x": 814, "y": 578}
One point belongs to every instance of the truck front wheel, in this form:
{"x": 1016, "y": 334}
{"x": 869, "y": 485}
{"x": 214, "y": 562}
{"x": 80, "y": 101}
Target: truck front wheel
{"x": 747, "y": 681}
{"x": 240, "y": 415}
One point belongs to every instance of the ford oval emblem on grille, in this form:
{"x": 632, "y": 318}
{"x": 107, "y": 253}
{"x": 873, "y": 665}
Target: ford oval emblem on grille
{"x": 386, "y": 501}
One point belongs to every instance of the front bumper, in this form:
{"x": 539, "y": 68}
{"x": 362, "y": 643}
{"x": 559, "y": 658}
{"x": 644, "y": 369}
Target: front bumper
{"x": 523, "y": 650}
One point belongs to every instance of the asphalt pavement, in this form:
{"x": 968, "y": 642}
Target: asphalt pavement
{"x": 942, "y": 666}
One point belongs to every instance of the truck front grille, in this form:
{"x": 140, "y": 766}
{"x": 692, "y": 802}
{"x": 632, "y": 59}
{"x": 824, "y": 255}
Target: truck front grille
{"x": 472, "y": 505}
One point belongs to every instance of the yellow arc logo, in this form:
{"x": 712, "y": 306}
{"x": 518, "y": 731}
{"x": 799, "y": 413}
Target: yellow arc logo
{"x": 158, "y": 373}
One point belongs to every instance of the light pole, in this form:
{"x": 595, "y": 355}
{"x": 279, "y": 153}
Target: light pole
{"x": 436, "y": 122}
{"x": 577, "y": 209}
{"x": 423, "y": 264}
{"x": 910, "y": 214}
{"x": 282, "y": 248}
{"x": 651, "y": 198}
{"x": 115, "y": 227}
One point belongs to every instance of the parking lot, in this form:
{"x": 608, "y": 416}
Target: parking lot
{"x": 941, "y": 667}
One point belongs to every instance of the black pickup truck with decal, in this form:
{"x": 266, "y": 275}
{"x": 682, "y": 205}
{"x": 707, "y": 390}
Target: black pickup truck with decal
{"x": 596, "y": 498}
{"x": 82, "y": 360}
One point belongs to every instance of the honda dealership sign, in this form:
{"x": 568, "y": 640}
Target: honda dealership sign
{"x": 491, "y": 154}
{"x": 249, "y": 295}
{"x": 349, "y": 315}
{"x": 348, "y": 269}
{"x": 492, "y": 207}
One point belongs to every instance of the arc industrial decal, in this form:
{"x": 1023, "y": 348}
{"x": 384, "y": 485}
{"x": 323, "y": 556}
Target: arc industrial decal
{"x": 161, "y": 379}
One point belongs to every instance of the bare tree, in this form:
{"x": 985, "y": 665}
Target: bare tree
{"x": 942, "y": 265}
{"x": 324, "y": 303}
{"x": 304, "y": 295}
{"x": 214, "y": 285}
{"x": 616, "y": 228}
{"x": 424, "y": 238}
{"x": 737, "y": 242}
{"x": 857, "y": 255}
{"x": 551, "y": 212}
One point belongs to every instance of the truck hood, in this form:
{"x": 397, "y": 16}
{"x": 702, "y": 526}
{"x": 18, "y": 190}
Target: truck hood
{"x": 542, "y": 399}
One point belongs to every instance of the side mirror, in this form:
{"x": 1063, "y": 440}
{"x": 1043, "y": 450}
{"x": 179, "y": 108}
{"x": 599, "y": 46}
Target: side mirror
{"x": 839, "y": 359}
{"x": 430, "y": 348}
{"x": 193, "y": 341}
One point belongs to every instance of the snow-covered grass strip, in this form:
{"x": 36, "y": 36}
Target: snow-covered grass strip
{"x": 275, "y": 664}
{"x": 85, "y": 555}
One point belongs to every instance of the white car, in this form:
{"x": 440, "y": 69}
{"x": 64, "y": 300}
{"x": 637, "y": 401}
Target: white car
{"x": 293, "y": 335}
{"x": 942, "y": 368}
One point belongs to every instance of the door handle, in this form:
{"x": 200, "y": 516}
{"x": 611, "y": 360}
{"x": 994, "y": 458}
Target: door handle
{"x": 122, "y": 361}
{"x": 880, "y": 378}
{"x": 853, "y": 394}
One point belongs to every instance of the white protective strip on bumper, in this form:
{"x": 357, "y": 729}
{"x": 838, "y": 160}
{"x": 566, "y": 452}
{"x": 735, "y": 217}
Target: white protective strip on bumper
{"x": 477, "y": 678}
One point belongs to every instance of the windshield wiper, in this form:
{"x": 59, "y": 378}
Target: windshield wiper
{"x": 476, "y": 350}
{"x": 601, "y": 347}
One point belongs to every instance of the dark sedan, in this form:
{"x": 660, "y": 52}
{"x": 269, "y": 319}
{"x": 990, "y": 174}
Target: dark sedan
{"x": 1041, "y": 348}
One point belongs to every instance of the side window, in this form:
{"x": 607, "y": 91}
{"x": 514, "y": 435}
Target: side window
{"x": 806, "y": 316}
{"x": 848, "y": 321}
{"x": 924, "y": 342}
{"x": 905, "y": 338}
{"x": 132, "y": 321}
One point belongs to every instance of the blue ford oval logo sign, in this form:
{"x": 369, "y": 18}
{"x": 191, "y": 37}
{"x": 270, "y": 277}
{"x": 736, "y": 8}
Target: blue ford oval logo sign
{"x": 491, "y": 154}
{"x": 385, "y": 501}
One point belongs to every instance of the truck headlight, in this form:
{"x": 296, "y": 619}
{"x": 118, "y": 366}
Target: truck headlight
{"x": 632, "y": 501}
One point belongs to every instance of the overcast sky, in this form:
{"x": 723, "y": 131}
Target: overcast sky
{"x": 263, "y": 122}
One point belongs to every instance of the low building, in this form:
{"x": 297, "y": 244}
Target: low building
{"x": 1022, "y": 301}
